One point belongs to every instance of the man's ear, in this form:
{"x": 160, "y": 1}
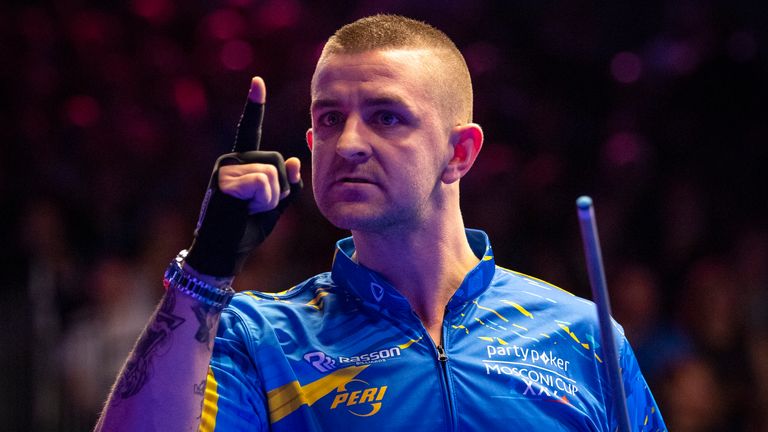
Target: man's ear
{"x": 467, "y": 140}
{"x": 309, "y": 138}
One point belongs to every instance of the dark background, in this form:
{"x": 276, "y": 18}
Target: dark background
{"x": 113, "y": 113}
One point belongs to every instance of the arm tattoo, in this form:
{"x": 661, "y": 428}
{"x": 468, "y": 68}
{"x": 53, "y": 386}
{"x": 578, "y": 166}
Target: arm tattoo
{"x": 206, "y": 317}
{"x": 199, "y": 389}
{"x": 157, "y": 334}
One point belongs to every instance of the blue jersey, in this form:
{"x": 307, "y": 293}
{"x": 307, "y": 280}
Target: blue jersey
{"x": 343, "y": 351}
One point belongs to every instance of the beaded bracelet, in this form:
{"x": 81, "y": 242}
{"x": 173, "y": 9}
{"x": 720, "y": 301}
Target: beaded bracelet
{"x": 213, "y": 296}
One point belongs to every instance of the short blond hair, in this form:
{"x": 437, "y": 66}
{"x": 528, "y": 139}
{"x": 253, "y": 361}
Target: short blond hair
{"x": 452, "y": 83}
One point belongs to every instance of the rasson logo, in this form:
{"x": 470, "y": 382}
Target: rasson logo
{"x": 325, "y": 363}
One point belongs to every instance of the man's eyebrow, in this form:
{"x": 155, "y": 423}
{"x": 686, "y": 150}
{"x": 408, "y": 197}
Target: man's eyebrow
{"x": 324, "y": 103}
{"x": 388, "y": 100}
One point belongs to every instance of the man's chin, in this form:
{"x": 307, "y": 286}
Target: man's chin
{"x": 351, "y": 222}
{"x": 354, "y": 219}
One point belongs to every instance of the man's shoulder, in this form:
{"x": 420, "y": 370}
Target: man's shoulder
{"x": 517, "y": 281}
{"x": 516, "y": 288}
{"x": 536, "y": 304}
{"x": 301, "y": 294}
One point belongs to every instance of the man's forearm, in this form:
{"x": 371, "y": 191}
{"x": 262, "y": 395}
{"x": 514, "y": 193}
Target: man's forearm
{"x": 161, "y": 386}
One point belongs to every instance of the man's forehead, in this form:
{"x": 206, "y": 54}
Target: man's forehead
{"x": 376, "y": 67}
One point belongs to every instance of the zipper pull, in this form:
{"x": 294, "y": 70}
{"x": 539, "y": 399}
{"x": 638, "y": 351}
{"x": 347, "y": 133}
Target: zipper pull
{"x": 441, "y": 356}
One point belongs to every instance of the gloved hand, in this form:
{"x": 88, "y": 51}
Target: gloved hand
{"x": 247, "y": 193}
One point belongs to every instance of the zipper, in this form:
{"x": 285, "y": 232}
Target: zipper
{"x": 442, "y": 359}
{"x": 441, "y": 355}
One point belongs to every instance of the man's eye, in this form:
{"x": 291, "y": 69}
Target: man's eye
{"x": 330, "y": 119}
{"x": 386, "y": 118}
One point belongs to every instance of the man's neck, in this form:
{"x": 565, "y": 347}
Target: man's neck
{"x": 426, "y": 267}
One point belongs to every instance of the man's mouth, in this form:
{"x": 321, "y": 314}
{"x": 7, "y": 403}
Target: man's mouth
{"x": 354, "y": 180}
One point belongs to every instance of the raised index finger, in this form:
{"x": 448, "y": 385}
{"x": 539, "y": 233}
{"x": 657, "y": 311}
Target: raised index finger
{"x": 248, "y": 136}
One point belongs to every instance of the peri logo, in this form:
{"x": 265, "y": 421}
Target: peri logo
{"x": 377, "y": 291}
{"x": 363, "y": 402}
{"x": 320, "y": 361}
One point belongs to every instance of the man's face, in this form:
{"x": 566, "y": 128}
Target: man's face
{"x": 379, "y": 141}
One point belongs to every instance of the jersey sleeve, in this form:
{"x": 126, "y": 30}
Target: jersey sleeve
{"x": 644, "y": 414}
{"x": 233, "y": 398}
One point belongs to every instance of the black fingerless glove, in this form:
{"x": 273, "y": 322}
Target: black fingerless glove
{"x": 226, "y": 234}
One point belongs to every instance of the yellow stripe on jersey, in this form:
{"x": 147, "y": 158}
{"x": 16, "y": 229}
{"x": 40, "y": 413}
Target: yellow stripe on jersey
{"x": 521, "y": 309}
{"x": 490, "y": 310}
{"x": 251, "y": 294}
{"x": 210, "y": 403}
{"x": 288, "y": 398}
{"x": 317, "y": 301}
{"x": 409, "y": 343}
{"x": 536, "y": 279}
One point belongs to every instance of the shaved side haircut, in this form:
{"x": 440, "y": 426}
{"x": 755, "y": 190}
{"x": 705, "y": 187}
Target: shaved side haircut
{"x": 450, "y": 75}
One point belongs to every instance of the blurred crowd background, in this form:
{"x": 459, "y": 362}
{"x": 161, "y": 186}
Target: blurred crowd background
{"x": 114, "y": 111}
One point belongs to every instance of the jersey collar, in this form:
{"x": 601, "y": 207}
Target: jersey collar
{"x": 373, "y": 288}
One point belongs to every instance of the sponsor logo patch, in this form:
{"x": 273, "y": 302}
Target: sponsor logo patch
{"x": 320, "y": 361}
{"x": 377, "y": 291}
{"x": 326, "y": 363}
{"x": 359, "y": 398}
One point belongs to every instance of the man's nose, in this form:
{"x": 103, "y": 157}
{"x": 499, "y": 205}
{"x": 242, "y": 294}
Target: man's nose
{"x": 352, "y": 144}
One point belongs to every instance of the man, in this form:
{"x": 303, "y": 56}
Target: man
{"x": 415, "y": 326}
